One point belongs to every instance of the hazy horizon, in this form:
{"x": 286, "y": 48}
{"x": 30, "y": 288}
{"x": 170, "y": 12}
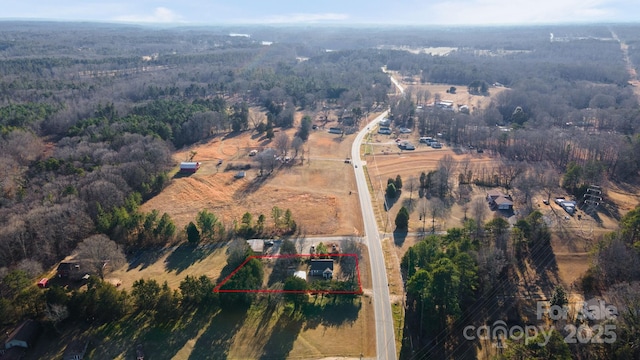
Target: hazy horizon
{"x": 331, "y": 12}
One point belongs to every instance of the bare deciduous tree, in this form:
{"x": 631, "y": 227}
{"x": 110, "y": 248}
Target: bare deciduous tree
{"x": 23, "y": 146}
{"x": 256, "y": 118}
{"x": 491, "y": 262}
{"x": 479, "y": 213}
{"x": 98, "y": 254}
{"x": 297, "y": 145}
{"x": 32, "y": 267}
{"x": 550, "y": 182}
{"x": 527, "y": 185}
{"x": 411, "y": 184}
{"x": 267, "y": 160}
{"x": 282, "y": 143}
{"x": 437, "y": 209}
{"x": 423, "y": 210}
{"x": 509, "y": 172}
{"x": 348, "y": 263}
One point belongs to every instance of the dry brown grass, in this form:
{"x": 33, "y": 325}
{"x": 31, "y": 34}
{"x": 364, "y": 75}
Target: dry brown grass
{"x": 317, "y": 191}
{"x": 172, "y": 267}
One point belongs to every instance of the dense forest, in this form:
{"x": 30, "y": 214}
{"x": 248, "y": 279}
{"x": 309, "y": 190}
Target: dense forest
{"x": 90, "y": 114}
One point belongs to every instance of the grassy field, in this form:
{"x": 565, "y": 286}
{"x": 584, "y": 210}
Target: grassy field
{"x": 267, "y": 330}
{"x": 316, "y": 189}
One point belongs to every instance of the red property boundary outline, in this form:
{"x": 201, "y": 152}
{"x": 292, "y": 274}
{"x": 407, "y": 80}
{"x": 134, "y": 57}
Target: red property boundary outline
{"x": 344, "y": 292}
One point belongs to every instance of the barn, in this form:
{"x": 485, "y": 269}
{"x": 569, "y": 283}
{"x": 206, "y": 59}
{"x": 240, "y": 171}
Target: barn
{"x": 189, "y": 166}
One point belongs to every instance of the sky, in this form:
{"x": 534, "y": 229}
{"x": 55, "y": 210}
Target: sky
{"x": 347, "y": 12}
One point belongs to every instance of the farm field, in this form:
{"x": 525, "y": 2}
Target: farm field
{"x": 316, "y": 191}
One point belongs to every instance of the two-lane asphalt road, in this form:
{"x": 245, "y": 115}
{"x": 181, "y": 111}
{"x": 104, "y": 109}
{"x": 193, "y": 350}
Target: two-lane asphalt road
{"x": 385, "y": 339}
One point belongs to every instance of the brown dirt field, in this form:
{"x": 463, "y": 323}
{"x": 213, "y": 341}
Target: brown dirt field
{"x": 624, "y": 199}
{"x": 571, "y": 267}
{"x": 317, "y": 192}
{"x": 312, "y": 340}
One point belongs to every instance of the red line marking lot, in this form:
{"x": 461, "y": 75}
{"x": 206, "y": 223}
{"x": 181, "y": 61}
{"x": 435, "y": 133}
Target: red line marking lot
{"x": 260, "y": 257}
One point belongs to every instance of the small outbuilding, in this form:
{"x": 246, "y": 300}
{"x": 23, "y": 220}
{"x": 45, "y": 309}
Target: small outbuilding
{"x": 568, "y": 205}
{"x": 257, "y": 246}
{"x": 300, "y": 274}
{"x": 43, "y": 283}
{"x": 189, "y": 166}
